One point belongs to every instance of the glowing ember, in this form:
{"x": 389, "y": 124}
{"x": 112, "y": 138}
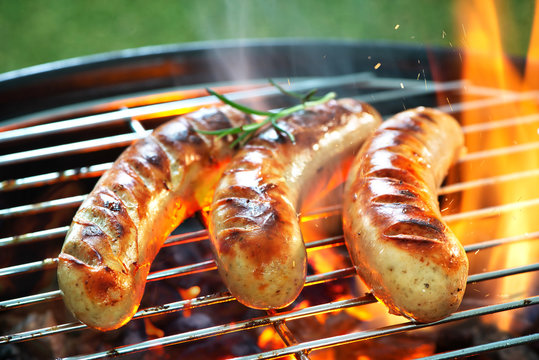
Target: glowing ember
{"x": 187, "y": 294}
{"x": 269, "y": 339}
{"x": 152, "y": 331}
{"x": 190, "y": 293}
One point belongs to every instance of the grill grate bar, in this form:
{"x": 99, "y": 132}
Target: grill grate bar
{"x": 491, "y": 275}
{"x": 137, "y": 126}
{"x": 127, "y": 114}
{"x": 30, "y": 300}
{"x": 473, "y": 214}
{"x": 51, "y": 205}
{"x": 255, "y": 89}
{"x": 77, "y": 200}
{"x": 510, "y": 122}
{"x": 152, "y": 311}
{"x": 287, "y": 336}
{"x": 96, "y": 170}
{"x": 491, "y": 210}
{"x": 390, "y": 330}
{"x": 55, "y": 177}
{"x": 206, "y": 300}
{"x": 506, "y": 150}
{"x": 414, "y": 90}
{"x": 231, "y": 327}
{"x": 91, "y": 121}
{"x": 34, "y": 236}
{"x": 125, "y": 139}
{"x": 480, "y": 349}
{"x": 505, "y": 98}
{"x": 467, "y": 185}
{"x": 186, "y": 238}
{"x": 183, "y": 270}
{"x": 182, "y": 238}
{"x": 452, "y": 188}
{"x": 214, "y": 299}
{"x": 502, "y": 241}
{"x": 44, "y": 264}
{"x": 72, "y": 148}
{"x": 157, "y": 275}
{"x": 328, "y": 242}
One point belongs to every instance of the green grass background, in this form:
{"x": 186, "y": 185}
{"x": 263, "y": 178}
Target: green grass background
{"x": 38, "y": 31}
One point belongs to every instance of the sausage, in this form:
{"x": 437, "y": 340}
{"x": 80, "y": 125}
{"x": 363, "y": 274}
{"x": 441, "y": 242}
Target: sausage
{"x": 153, "y": 186}
{"x": 253, "y": 221}
{"x": 398, "y": 242}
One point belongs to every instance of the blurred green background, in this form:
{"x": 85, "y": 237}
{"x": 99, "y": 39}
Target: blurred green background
{"x": 38, "y": 31}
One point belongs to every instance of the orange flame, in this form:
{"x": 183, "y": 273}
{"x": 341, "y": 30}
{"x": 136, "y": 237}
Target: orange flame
{"x": 489, "y": 71}
{"x": 152, "y": 331}
{"x": 188, "y": 294}
{"x": 269, "y": 339}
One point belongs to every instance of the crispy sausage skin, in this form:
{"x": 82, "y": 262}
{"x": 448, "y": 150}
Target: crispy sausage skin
{"x": 253, "y": 221}
{"x": 152, "y": 187}
{"x": 393, "y": 228}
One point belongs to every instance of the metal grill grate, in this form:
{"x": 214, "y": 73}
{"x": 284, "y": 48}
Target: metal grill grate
{"x": 70, "y": 144}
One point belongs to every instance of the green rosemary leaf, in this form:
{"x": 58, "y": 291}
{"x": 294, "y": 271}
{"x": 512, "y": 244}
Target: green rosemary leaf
{"x": 254, "y": 126}
{"x": 240, "y": 107}
{"x": 282, "y": 130}
{"x": 247, "y": 131}
{"x": 310, "y": 96}
{"x": 286, "y": 92}
{"x": 221, "y": 132}
{"x": 303, "y": 97}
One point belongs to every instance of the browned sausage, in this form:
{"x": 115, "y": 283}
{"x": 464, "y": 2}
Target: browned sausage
{"x": 393, "y": 228}
{"x": 153, "y": 186}
{"x": 253, "y": 224}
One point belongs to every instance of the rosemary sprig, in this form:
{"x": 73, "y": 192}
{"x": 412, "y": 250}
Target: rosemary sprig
{"x": 303, "y": 97}
{"x": 247, "y": 131}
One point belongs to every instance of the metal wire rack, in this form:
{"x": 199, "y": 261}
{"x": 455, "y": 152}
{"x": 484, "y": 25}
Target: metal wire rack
{"x": 385, "y": 93}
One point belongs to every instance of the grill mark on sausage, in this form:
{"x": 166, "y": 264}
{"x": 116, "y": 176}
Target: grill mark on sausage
{"x": 253, "y": 226}
{"x": 415, "y": 230}
{"x": 243, "y": 212}
{"x": 307, "y": 125}
{"x": 150, "y": 163}
{"x": 400, "y": 175}
{"x": 104, "y": 237}
{"x": 425, "y": 116}
{"x": 92, "y": 230}
{"x": 394, "y": 198}
{"x": 125, "y": 179}
{"x": 246, "y": 239}
{"x": 392, "y": 213}
{"x": 175, "y": 132}
{"x": 86, "y": 250}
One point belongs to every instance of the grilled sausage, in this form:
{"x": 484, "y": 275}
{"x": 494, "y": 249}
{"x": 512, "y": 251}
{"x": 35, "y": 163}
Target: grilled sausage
{"x": 253, "y": 221}
{"x": 393, "y": 228}
{"x": 152, "y": 187}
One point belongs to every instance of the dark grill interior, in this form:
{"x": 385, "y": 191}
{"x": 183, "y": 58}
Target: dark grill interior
{"x": 64, "y": 126}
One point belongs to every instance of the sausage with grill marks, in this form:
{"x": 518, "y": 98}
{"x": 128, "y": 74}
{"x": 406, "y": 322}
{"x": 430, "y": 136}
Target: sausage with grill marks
{"x": 393, "y": 228}
{"x": 253, "y": 222}
{"x": 152, "y": 187}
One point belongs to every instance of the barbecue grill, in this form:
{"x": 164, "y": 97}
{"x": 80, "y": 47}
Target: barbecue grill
{"x": 64, "y": 123}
